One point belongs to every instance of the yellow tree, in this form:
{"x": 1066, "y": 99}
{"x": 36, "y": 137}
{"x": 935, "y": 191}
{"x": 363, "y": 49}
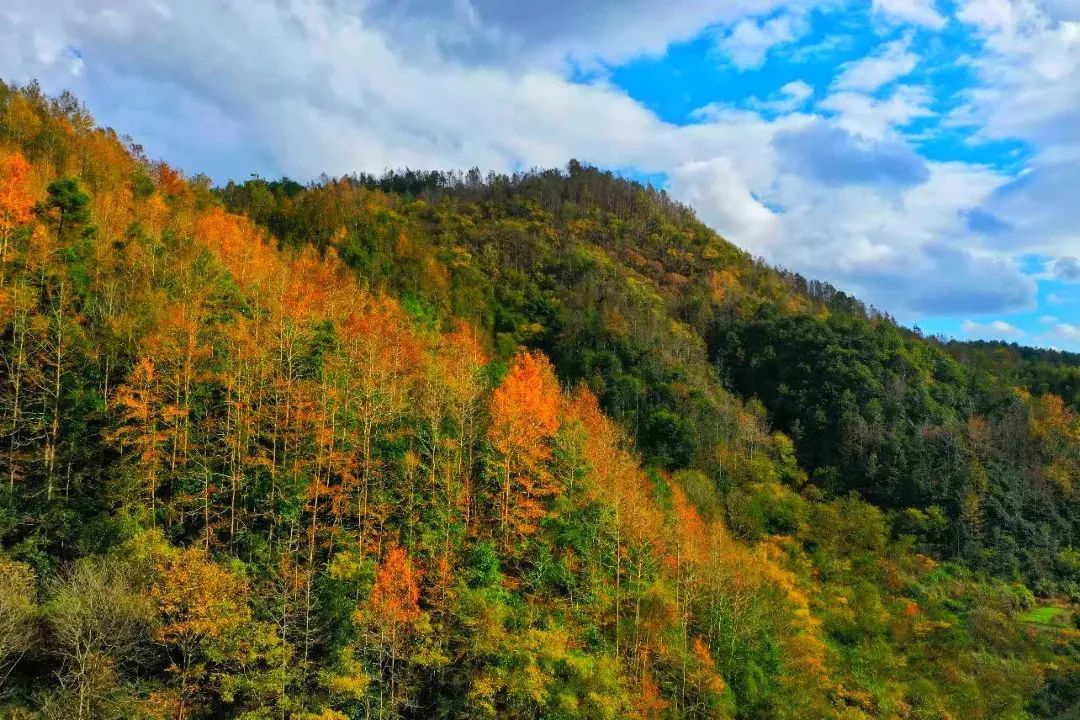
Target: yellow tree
{"x": 23, "y": 415}
{"x": 378, "y": 364}
{"x": 18, "y": 609}
{"x": 56, "y": 334}
{"x": 1057, "y": 428}
{"x": 142, "y": 432}
{"x": 204, "y": 620}
{"x": 615, "y": 479}
{"x": 450, "y": 395}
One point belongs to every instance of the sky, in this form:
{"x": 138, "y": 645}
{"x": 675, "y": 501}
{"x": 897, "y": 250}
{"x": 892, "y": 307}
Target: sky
{"x": 923, "y": 155}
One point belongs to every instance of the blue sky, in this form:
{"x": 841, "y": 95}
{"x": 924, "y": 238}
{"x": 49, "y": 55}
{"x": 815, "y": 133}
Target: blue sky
{"x": 921, "y": 154}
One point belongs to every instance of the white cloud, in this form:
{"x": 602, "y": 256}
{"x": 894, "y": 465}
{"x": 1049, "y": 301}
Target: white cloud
{"x": 309, "y": 86}
{"x": 870, "y": 117}
{"x": 551, "y": 32}
{"x": 719, "y": 188}
{"x": 904, "y": 249}
{"x": 872, "y": 72}
{"x": 789, "y": 98}
{"x": 797, "y": 90}
{"x": 1029, "y": 90}
{"x": 751, "y": 40}
{"x": 994, "y": 328}
{"x": 1062, "y": 9}
{"x": 1065, "y": 331}
{"x": 1067, "y": 268}
{"x": 920, "y": 12}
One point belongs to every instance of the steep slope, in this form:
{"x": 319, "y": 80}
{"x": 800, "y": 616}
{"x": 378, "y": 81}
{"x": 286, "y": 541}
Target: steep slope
{"x": 664, "y": 321}
{"x": 314, "y": 473}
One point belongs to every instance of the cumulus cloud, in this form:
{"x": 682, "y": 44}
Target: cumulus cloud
{"x": 310, "y": 86}
{"x": 994, "y": 328}
{"x": 872, "y": 72}
{"x": 749, "y": 42}
{"x": 906, "y": 249}
{"x": 718, "y": 187}
{"x": 920, "y": 12}
{"x": 789, "y": 98}
{"x": 1067, "y": 269}
{"x": 836, "y": 157}
{"x": 322, "y": 90}
{"x": 797, "y": 90}
{"x": 872, "y": 117}
{"x": 966, "y": 283}
{"x": 1029, "y": 88}
{"x": 980, "y": 221}
{"x": 1065, "y": 331}
{"x": 1062, "y": 9}
{"x": 552, "y": 32}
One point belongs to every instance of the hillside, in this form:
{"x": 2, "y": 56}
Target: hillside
{"x": 440, "y": 446}
{"x": 681, "y": 335}
{"x": 1038, "y": 370}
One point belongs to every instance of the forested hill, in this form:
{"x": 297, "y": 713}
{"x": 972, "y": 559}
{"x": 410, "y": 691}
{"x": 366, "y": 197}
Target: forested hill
{"x": 452, "y": 446}
{"x": 1039, "y": 370}
{"x": 664, "y": 321}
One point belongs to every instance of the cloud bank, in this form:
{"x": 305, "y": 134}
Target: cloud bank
{"x": 831, "y": 179}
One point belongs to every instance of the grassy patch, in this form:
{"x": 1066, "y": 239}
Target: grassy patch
{"x": 1048, "y": 615}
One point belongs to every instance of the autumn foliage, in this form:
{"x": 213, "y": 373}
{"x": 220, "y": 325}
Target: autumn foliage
{"x": 396, "y": 595}
{"x": 524, "y": 420}
{"x": 16, "y": 200}
{"x": 290, "y": 463}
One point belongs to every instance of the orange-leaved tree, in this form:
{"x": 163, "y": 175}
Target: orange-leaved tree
{"x": 392, "y": 615}
{"x": 524, "y": 421}
{"x": 617, "y": 480}
{"x": 378, "y": 363}
{"x": 16, "y": 200}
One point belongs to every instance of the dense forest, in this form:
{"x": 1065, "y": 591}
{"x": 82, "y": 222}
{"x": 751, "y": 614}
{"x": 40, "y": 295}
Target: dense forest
{"x": 453, "y": 445}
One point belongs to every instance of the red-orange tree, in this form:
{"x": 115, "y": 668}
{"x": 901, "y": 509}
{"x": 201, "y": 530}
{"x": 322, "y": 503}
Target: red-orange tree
{"x": 392, "y": 615}
{"x": 524, "y": 421}
{"x": 16, "y": 200}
